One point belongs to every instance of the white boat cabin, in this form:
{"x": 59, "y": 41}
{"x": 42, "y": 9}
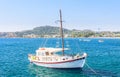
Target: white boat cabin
{"x": 48, "y": 51}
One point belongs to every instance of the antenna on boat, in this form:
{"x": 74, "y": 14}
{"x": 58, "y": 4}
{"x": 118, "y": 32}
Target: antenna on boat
{"x": 61, "y": 32}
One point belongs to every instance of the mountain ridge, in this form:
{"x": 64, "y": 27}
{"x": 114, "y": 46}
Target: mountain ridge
{"x": 52, "y": 31}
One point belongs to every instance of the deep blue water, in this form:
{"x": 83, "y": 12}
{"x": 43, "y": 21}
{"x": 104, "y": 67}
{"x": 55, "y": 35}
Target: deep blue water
{"x": 103, "y": 57}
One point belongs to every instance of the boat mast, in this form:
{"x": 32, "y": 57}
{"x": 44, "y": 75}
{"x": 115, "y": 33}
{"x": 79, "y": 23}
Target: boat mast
{"x": 61, "y": 32}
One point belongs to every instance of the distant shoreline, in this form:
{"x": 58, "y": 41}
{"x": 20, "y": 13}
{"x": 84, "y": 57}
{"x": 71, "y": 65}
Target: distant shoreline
{"x": 53, "y": 32}
{"x": 65, "y": 37}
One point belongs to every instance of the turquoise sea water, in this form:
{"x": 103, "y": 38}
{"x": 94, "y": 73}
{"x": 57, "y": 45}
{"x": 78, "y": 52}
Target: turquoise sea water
{"x": 103, "y": 57}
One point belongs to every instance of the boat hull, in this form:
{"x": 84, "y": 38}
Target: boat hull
{"x": 77, "y": 63}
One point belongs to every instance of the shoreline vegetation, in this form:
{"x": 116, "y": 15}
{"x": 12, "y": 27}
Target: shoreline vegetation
{"x": 52, "y": 32}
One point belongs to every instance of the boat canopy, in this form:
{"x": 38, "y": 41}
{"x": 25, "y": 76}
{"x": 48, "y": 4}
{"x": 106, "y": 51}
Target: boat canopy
{"x": 51, "y": 49}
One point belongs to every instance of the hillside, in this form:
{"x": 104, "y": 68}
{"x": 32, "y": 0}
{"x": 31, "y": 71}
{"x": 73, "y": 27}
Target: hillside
{"x": 41, "y": 31}
{"x": 51, "y": 31}
{"x": 35, "y": 32}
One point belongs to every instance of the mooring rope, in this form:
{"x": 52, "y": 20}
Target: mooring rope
{"x": 91, "y": 68}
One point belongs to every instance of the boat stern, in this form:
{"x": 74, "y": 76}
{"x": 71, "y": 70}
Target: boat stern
{"x": 31, "y": 57}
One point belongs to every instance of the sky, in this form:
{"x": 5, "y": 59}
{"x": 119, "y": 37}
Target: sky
{"x": 97, "y": 15}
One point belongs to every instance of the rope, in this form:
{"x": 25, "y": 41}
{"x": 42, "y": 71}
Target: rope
{"x": 78, "y": 46}
{"x": 58, "y": 42}
{"x": 91, "y": 69}
{"x": 42, "y": 42}
{"x": 46, "y": 39}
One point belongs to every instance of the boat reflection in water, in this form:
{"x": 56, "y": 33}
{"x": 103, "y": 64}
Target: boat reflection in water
{"x": 44, "y": 72}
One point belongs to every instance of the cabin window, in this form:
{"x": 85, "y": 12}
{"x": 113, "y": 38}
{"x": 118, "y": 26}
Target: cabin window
{"x": 38, "y": 53}
{"x": 51, "y": 53}
{"x": 47, "y": 53}
{"x": 63, "y": 58}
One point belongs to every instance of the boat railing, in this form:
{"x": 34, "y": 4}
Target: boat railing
{"x": 29, "y": 55}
